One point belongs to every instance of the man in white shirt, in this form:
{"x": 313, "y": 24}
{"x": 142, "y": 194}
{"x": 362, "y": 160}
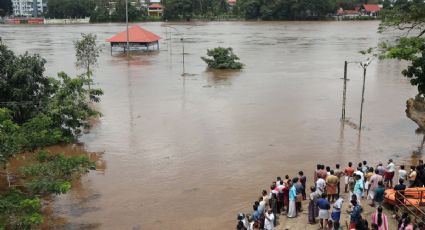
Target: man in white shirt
{"x": 402, "y": 173}
{"x": 389, "y": 174}
{"x": 320, "y": 185}
{"x": 269, "y": 220}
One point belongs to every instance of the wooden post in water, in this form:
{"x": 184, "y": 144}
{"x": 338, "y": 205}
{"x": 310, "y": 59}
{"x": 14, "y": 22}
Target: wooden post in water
{"x": 344, "y": 93}
{"x": 361, "y": 106}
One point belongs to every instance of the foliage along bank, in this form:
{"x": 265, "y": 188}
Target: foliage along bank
{"x": 408, "y": 18}
{"x": 37, "y": 111}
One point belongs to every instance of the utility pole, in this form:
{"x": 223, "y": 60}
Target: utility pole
{"x": 361, "y": 106}
{"x": 182, "y": 40}
{"x": 126, "y": 22}
{"x": 344, "y": 94}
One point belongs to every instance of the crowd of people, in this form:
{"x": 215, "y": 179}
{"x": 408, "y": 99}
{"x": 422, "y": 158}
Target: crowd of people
{"x": 363, "y": 184}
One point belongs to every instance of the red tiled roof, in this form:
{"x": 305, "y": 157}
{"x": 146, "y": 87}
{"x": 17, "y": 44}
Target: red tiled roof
{"x": 231, "y": 1}
{"x": 341, "y": 11}
{"x": 371, "y": 7}
{"x": 351, "y": 12}
{"x": 136, "y": 34}
{"x": 155, "y": 5}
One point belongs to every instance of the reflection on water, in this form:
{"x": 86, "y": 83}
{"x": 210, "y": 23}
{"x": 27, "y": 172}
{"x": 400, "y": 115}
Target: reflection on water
{"x": 221, "y": 77}
{"x": 191, "y": 151}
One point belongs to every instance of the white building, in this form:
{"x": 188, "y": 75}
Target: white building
{"x": 28, "y": 8}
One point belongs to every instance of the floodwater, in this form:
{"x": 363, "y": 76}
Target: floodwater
{"x": 191, "y": 152}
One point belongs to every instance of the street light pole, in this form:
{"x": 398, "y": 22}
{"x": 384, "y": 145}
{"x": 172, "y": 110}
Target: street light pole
{"x": 361, "y": 106}
{"x": 344, "y": 94}
{"x": 126, "y": 22}
{"x": 182, "y": 40}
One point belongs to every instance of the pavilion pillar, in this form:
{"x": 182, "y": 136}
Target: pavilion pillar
{"x": 157, "y": 45}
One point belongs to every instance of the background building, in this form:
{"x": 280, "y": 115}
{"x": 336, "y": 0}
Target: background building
{"x": 29, "y": 8}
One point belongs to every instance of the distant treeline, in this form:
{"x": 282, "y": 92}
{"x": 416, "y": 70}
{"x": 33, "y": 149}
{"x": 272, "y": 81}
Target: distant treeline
{"x": 258, "y": 9}
{"x": 108, "y": 10}
{"x": 97, "y": 10}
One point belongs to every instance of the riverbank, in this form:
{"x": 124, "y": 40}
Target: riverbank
{"x": 280, "y": 191}
{"x": 191, "y": 152}
{"x": 301, "y": 221}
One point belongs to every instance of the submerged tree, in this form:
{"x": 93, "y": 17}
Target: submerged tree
{"x": 222, "y": 58}
{"x": 87, "y": 52}
{"x": 37, "y": 111}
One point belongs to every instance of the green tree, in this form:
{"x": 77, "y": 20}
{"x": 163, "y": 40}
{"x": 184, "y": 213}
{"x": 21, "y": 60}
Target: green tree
{"x": 6, "y": 7}
{"x": 86, "y": 52}
{"x": 24, "y": 90}
{"x": 19, "y": 211}
{"x": 40, "y": 131}
{"x": 101, "y": 12}
{"x": 52, "y": 173}
{"x": 408, "y": 17}
{"x": 134, "y": 13}
{"x": 49, "y": 111}
{"x": 11, "y": 141}
{"x": 70, "y": 106}
{"x": 70, "y": 8}
{"x": 250, "y": 9}
{"x": 178, "y": 9}
{"x": 222, "y": 58}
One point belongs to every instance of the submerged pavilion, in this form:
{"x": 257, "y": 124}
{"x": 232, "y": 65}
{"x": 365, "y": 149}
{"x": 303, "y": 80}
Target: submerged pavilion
{"x": 137, "y": 37}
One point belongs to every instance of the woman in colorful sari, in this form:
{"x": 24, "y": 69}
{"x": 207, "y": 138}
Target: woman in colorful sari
{"x": 313, "y": 209}
{"x": 292, "y": 210}
{"x": 380, "y": 219}
{"x": 285, "y": 192}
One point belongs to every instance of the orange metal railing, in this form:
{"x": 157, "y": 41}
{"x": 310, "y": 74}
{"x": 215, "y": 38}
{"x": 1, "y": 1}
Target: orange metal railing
{"x": 406, "y": 204}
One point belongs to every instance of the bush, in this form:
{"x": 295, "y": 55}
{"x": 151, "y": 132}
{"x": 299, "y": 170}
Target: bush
{"x": 19, "y": 211}
{"x": 222, "y": 58}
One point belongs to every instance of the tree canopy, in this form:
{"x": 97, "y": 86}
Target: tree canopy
{"x": 294, "y": 9}
{"x": 407, "y": 17}
{"x": 23, "y": 87}
{"x": 6, "y": 7}
{"x": 38, "y": 111}
{"x": 86, "y": 52}
{"x": 70, "y": 8}
{"x": 222, "y": 58}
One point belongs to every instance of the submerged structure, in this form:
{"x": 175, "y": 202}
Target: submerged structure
{"x": 137, "y": 38}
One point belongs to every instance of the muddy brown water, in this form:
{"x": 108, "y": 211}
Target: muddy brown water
{"x": 191, "y": 152}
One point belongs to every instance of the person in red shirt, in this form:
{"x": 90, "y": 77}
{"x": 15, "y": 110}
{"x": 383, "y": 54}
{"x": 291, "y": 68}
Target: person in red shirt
{"x": 348, "y": 172}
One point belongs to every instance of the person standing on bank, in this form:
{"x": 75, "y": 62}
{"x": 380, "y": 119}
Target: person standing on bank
{"x": 324, "y": 207}
{"x": 269, "y": 220}
{"x": 298, "y": 186}
{"x": 358, "y": 187}
{"x": 339, "y": 173}
{"x": 303, "y": 181}
{"x": 313, "y": 209}
{"x": 331, "y": 184}
{"x": 389, "y": 174}
{"x": 292, "y": 210}
{"x": 348, "y": 172}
